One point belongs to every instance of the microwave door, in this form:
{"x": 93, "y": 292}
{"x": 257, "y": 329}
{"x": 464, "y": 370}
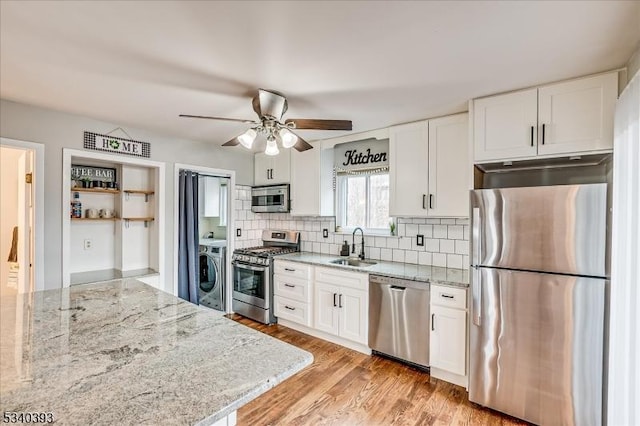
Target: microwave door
{"x": 560, "y": 229}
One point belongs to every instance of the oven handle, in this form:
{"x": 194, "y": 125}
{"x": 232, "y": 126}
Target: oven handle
{"x": 249, "y": 267}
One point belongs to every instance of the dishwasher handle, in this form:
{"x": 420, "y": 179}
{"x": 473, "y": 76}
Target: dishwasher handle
{"x": 397, "y": 288}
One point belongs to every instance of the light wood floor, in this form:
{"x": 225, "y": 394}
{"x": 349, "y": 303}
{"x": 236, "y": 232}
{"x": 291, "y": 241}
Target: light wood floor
{"x": 344, "y": 387}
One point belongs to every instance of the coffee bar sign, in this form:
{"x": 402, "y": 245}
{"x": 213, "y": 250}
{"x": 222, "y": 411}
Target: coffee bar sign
{"x": 368, "y": 154}
{"x": 116, "y": 145}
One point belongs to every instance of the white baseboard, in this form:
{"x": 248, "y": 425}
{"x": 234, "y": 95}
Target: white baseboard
{"x": 326, "y": 336}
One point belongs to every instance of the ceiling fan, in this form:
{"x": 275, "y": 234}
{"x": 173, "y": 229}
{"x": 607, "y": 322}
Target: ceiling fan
{"x": 270, "y": 106}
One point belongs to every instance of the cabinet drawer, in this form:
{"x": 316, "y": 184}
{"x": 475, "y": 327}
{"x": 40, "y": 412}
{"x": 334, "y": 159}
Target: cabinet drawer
{"x": 339, "y": 277}
{"x": 293, "y": 310}
{"x": 292, "y": 269}
{"x": 449, "y": 296}
{"x": 291, "y": 287}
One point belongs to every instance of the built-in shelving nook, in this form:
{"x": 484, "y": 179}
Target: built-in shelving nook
{"x": 118, "y": 231}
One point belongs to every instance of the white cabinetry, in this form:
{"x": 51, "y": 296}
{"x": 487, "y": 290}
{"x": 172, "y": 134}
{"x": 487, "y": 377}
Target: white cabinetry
{"x": 311, "y": 182}
{"x": 272, "y": 169}
{"x": 292, "y": 292}
{"x": 209, "y": 197}
{"x": 448, "y": 336}
{"x": 341, "y": 303}
{"x": 429, "y": 168}
{"x": 571, "y": 117}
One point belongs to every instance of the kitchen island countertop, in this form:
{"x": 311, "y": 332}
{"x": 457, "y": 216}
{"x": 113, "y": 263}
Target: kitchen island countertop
{"x": 425, "y": 273}
{"x": 122, "y": 352}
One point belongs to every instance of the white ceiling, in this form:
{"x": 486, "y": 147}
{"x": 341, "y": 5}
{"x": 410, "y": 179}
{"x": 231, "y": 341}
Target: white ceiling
{"x": 376, "y": 63}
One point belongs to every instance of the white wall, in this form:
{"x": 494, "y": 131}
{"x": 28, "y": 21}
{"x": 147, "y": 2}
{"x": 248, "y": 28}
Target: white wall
{"x": 9, "y": 160}
{"x": 57, "y": 130}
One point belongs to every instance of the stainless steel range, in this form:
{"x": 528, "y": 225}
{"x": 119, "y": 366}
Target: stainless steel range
{"x": 253, "y": 274}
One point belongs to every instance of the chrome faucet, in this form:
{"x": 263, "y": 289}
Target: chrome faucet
{"x": 353, "y": 243}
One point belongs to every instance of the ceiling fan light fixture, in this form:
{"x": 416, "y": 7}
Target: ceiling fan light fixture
{"x": 272, "y": 146}
{"x": 247, "y": 138}
{"x": 288, "y": 138}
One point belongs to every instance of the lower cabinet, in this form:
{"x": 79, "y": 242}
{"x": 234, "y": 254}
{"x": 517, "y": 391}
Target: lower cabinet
{"x": 341, "y": 304}
{"x": 448, "y": 334}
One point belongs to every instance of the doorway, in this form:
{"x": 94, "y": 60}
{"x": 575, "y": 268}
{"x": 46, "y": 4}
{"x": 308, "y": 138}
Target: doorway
{"x": 19, "y": 263}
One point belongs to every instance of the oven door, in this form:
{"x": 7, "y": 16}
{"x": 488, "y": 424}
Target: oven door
{"x": 251, "y": 284}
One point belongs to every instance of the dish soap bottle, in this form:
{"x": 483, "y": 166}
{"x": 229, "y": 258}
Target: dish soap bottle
{"x": 344, "y": 251}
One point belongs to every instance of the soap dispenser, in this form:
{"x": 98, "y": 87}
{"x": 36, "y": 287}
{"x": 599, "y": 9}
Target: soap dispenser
{"x": 344, "y": 251}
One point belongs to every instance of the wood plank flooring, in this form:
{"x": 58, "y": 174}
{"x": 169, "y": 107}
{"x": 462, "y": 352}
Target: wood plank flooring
{"x": 344, "y": 387}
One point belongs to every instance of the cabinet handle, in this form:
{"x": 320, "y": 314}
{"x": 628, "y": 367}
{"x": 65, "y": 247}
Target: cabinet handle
{"x": 289, "y": 308}
{"x": 267, "y": 174}
{"x": 431, "y": 201}
{"x": 340, "y": 301}
{"x": 289, "y": 285}
{"x": 433, "y": 322}
{"x": 531, "y": 135}
{"x": 271, "y": 173}
{"x": 289, "y": 270}
{"x": 543, "y": 134}
{"x": 424, "y": 201}
{"x": 334, "y": 300}
{"x": 446, "y": 296}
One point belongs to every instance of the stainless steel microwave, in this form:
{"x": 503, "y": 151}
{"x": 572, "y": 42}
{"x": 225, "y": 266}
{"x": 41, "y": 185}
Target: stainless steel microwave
{"x": 270, "y": 199}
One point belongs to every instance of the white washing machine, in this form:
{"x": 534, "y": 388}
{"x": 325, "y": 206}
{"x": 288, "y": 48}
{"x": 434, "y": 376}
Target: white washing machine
{"x": 212, "y": 274}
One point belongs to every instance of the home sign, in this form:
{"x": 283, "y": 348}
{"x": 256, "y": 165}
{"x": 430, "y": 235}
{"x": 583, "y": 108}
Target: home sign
{"x": 98, "y": 142}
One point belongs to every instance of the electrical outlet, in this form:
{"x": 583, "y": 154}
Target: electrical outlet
{"x": 238, "y": 232}
{"x": 325, "y": 233}
{"x": 88, "y": 244}
{"x": 420, "y": 240}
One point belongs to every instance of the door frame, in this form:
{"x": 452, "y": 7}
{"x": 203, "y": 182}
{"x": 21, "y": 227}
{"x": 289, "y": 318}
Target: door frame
{"x": 37, "y": 239}
{"x": 223, "y": 173}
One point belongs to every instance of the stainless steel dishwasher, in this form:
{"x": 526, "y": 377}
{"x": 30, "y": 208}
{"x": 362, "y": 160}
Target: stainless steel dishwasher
{"x": 399, "y": 318}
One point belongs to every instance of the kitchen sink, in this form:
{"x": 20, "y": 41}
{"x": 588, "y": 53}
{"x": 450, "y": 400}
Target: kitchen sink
{"x": 353, "y": 262}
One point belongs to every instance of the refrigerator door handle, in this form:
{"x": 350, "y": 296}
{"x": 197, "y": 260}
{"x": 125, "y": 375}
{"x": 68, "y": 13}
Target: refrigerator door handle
{"x": 476, "y": 235}
{"x": 476, "y": 294}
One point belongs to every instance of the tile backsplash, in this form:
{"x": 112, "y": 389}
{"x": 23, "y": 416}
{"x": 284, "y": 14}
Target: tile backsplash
{"x": 446, "y": 241}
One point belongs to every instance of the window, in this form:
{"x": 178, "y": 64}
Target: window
{"x": 363, "y": 200}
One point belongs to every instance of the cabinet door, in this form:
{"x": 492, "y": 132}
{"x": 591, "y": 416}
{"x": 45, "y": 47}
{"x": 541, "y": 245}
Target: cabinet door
{"x": 263, "y": 164}
{"x": 281, "y": 167}
{"x": 505, "y": 126}
{"x": 447, "y": 342}
{"x": 408, "y": 174}
{"x": 353, "y": 306}
{"x": 449, "y": 166}
{"x": 577, "y": 115}
{"x": 311, "y": 182}
{"x": 325, "y": 314}
{"x": 210, "y": 201}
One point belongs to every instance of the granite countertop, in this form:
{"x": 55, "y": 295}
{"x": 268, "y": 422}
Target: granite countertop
{"x": 122, "y": 352}
{"x": 426, "y": 273}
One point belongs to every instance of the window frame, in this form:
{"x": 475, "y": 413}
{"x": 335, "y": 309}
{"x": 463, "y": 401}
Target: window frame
{"x": 341, "y": 197}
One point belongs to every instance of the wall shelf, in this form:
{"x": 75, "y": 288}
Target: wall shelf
{"x": 146, "y": 220}
{"x": 94, "y": 219}
{"x": 146, "y": 194}
{"x": 97, "y": 190}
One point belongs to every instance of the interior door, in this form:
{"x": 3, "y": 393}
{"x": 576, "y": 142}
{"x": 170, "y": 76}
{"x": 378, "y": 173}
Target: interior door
{"x": 536, "y": 347}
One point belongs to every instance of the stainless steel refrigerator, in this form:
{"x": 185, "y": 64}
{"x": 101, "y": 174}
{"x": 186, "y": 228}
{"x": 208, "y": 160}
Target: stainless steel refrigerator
{"x": 538, "y": 281}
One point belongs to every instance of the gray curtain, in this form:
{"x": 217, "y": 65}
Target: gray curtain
{"x": 188, "y": 236}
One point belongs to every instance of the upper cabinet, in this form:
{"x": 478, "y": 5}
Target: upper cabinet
{"x": 429, "y": 168}
{"x": 312, "y": 182}
{"x": 272, "y": 169}
{"x": 209, "y": 197}
{"x": 565, "y": 118}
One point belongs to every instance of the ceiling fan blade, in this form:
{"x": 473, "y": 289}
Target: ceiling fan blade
{"x": 232, "y": 142}
{"x": 301, "y": 145}
{"x": 308, "y": 123}
{"x": 238, "y": 120}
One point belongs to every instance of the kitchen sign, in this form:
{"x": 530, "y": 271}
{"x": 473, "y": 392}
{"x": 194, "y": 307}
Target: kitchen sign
{"x": 367, "y": 155}
{"x": 116, "y": 145}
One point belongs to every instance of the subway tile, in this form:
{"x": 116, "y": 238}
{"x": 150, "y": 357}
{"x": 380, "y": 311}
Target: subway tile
{"x": 424, "y": 258}
{"x": 316, "y": 226}
{"x": 324, "y": 248}
{"x": 411, "y": 256}
{"x": 433, "y": 222}
{"x": 416, "y": 247}
{"x": 465, "y": 261}
{"x": 381, "y": 242}
{"x": 439, "y": 231}
{"x": 373, "y": 253}
{"x": 334, "y": 249}
{"x": 464, "y": 221}
{"x": 316, "y": 247}
{"x": 310, "y": 236}
{"x": 386, "y": 254}
{"x": 455, "y": 232}
{"x": 419, "y": 221}
{"x": 392, "y": 243}
{"x": 454, "y": 261}
{"x": 402, "y": 230}
{"x": 432, "y": 245}
{"x": 448, "y": 221}
{"x": 411, "y": 230}
{"x": 426, "y": 230}
{"x": 447, "y": 246}
{"x": 465, "y": 232}
{"x": 404, "y": 243}
{"x": 439, "y": 259}
{"x": 462, "y": 247}
{"x": 398, "y": 255}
